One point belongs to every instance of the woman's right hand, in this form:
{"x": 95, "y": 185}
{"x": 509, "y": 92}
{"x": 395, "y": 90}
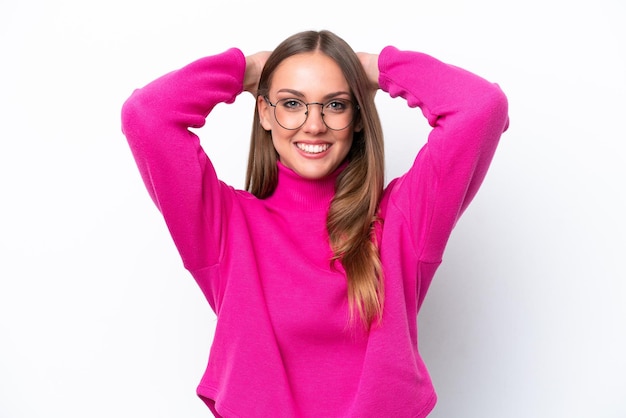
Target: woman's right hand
{"x": 254, "y": 66}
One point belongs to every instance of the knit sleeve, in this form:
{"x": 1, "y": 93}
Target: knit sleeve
{"x": 175, "y": 169}
{"x": 467, "y": 114}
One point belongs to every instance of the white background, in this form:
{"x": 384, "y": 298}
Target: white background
{"x": 98, "y": 318}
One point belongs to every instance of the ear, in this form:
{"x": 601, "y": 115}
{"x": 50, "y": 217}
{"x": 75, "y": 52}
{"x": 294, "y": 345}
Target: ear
{"x": 358, "y": 126}
{"x": 265, "y": 113}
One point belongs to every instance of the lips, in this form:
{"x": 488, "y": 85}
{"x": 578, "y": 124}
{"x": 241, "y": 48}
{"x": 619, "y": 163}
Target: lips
{"x": 312, "y": 148}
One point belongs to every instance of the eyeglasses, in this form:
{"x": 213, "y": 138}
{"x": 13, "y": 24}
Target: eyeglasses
{"x": 291, "y": 114}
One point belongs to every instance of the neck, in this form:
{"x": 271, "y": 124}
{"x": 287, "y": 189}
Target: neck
{"x": 301, "y": 193}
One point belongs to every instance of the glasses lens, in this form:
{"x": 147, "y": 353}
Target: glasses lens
{"x": 290, "y": 113}
{"x": 337, "y": 114}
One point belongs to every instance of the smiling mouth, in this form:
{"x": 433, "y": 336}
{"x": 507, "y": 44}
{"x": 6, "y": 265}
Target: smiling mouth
{"x": 312, "y": 148}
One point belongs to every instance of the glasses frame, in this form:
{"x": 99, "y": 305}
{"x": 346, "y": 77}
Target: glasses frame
{"x": 357, "y": 108}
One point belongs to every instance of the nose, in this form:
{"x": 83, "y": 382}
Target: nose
{"x": 315, "y": 120}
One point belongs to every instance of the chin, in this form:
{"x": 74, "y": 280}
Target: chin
{"x": 313, "y": 173}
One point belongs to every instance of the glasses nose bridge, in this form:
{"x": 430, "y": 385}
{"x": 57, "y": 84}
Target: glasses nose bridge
{"x": 306, "y": 115}
{"x": 321, "y": 105}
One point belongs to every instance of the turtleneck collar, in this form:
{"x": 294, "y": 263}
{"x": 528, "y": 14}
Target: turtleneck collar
{"x": 303, "y": 194}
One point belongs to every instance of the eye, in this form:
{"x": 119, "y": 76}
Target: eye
{"x": 337, "y": 106}
{"x": 292, "y": 104}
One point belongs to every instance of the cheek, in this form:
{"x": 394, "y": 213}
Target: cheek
{"x": 279, "y": 139}
{"x": 347, "y": 144}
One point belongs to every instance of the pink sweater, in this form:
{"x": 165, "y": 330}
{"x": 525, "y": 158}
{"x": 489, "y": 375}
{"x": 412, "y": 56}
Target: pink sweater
{"x": 282, "y": 347}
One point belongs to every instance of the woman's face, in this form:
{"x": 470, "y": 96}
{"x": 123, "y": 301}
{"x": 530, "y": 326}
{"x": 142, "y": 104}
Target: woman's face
{"x": 312, "y": 150}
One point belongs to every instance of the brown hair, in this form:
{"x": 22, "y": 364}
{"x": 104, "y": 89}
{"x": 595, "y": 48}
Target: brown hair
{"x": 352, "y": 215}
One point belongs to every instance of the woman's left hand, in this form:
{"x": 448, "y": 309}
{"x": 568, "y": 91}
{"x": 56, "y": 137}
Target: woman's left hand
{"x": 370, "y": 65}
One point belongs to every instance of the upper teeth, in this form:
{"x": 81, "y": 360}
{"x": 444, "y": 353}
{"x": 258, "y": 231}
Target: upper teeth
{"x": 312, "y": 148}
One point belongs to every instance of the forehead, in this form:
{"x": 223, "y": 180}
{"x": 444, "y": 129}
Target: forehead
{"x": 311, "y": 73}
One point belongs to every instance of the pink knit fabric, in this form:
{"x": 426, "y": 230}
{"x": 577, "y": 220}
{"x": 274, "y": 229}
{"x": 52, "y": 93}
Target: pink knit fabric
{"x": 282, "y": 347}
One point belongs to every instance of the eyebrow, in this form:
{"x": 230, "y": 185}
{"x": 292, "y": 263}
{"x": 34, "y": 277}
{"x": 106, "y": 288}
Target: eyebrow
{"x": 326, "y": 97}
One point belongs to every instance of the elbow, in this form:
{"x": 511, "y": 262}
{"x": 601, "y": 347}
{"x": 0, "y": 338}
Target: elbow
{"x": 492, "y": 109}
{"x": 141, "y": 115}
{"x": 130, "y": 113}
{"x": 498, "y": 108}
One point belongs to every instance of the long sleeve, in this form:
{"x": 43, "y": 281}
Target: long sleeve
{"x": 175, "y": 169}
{"x": 263, "y": 263}
{"x": 419, "y": 211}
{"x": 468, "y": 114}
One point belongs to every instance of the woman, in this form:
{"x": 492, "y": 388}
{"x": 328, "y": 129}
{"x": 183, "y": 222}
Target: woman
{"x": 316, "y": 272}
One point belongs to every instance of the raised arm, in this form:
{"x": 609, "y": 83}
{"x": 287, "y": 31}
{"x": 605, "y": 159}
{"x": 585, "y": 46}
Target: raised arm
{"x": 176, "y": 171}
{"x": 468, "y": 114}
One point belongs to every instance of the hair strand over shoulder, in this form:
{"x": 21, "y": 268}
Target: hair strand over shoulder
{"x": 352, "y": 216}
